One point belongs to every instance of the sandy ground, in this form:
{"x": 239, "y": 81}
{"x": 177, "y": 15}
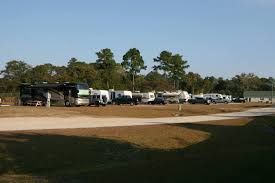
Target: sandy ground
{"x": 34, "y": 123}
{"x": 140, "y": 111}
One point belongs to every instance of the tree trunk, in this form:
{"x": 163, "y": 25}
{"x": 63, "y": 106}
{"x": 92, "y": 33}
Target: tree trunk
{"x": 174, "y": 84}
{"x": 108, "y": 85}
{"x": 133, "y": 80}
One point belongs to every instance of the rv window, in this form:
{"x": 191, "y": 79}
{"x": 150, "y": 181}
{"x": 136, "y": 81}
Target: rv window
{"x": 82, "y": 86}
{"x": 26, "y": 91}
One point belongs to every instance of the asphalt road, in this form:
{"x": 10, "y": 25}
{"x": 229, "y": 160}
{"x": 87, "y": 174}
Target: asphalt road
{"x": 34, "y": 123}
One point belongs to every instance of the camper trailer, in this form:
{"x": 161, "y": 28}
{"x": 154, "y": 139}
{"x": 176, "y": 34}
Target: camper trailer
{"x": 227, "y": 98}
{"x": 175, "y": 97}
{"x": 113, "y": 94}
{"x": 99, "y": 97}
{"x": 145, "y": 98}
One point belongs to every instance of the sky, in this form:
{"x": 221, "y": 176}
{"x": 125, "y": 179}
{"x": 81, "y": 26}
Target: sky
{"x": 217, "y": 37}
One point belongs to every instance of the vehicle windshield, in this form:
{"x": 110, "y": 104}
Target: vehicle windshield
{"x": 82, "y": 86}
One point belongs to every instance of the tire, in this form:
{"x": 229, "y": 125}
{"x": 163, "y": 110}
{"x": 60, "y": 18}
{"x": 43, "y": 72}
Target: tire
{"x": 67, "y": 103}
{"x": 132, "y": 103}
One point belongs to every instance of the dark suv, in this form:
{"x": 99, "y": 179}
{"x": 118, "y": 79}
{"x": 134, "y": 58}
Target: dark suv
{"x": 125, "y": 100}
{"x": 199, "y": 100}
{"x": 158, "y": 100}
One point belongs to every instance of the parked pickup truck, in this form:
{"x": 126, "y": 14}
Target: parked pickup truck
{"x": 199, "y": 100}
{"x": 158, "y": 100}
{"x": 219, "y": 100}
{"x": 125, "y": 100}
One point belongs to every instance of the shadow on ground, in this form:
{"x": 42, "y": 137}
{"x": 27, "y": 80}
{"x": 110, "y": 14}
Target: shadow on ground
{"x": 231, "y": 154}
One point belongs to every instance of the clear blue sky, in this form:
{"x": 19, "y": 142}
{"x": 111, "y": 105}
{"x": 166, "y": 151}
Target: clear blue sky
{"x": 217, "y": 37}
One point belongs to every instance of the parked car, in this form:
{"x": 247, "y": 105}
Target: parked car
{"x": 125, "y": 99}
{"x": 219, "y": 101}
{"x": 200, "y": 100}
{"x": 158, "y": 100}
{"x": 239, "y": 100}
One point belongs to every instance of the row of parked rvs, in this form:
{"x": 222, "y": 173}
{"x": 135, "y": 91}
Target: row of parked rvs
{"x": 77, "y": 94}
{"x": 111, "y": 96}
{"x": 108, "y": 96}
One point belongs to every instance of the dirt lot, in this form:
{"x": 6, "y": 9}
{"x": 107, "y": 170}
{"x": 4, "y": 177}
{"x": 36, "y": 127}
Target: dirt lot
{"x": 236, "y": 150}
{"x": 140, "y": 111}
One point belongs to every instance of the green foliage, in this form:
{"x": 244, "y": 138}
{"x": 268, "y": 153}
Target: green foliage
{"x": 15, "y": 70}
{"x": 45, "y": 72}
{"x": 106, "y": 66}
{"x": 81, "y": 71}
{"x": 172, "y": 65}
{"x": 168, "y": 74}
{"x": 133, "y": 63}
{"x": 194, "y": 83}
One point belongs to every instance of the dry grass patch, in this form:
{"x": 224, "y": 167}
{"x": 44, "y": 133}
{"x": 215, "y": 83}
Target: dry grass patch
{"x": 140, "y": 111}
{"x": 236, "y": 150}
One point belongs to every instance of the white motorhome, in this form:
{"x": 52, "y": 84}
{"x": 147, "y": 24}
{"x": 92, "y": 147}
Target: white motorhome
{"x": 118, "y": 93}
{"x": 145, "y": 98}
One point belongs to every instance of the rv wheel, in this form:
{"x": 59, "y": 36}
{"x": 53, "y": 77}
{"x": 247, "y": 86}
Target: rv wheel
{"x": 67, "y": 103}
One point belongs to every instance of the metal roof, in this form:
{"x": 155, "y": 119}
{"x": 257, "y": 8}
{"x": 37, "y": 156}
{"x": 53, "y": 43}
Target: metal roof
{"x": 258, "y": 94}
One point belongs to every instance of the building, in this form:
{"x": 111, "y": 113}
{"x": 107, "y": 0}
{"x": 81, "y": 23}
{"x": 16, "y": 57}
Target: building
{"x": 259, "y": 96}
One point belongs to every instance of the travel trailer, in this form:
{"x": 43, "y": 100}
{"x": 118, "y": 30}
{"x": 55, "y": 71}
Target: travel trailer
{"x": 227, "y": 98}
{"x": 145, "y": 98}
{"x": 113, "y": 94}
{"x": 99, "y": 97}
{"x": 213, "y": 95}
{"x": 175, "y": 97}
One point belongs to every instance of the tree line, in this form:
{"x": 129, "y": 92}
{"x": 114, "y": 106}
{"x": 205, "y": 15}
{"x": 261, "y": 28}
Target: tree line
{"x": 167, "y": 74}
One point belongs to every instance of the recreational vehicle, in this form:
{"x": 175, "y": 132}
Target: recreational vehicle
{"x": 175, "y": 97}
{"x": 145, "y": 98}
{"x": 227, "y": 98}
{"x": 113, "y": 94}
{"x": 99, "y": 97}
{"x": 68, "y": 94}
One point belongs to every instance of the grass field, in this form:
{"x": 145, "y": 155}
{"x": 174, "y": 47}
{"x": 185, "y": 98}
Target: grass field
{"x": 140, "y": 111}
{"x": 222, "y": 151}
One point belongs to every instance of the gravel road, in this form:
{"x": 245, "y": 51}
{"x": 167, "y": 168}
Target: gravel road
{"x": 34, "y": 123}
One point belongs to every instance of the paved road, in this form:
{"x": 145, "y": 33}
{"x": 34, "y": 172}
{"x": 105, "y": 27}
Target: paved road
{"x": 32, "y": 123}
